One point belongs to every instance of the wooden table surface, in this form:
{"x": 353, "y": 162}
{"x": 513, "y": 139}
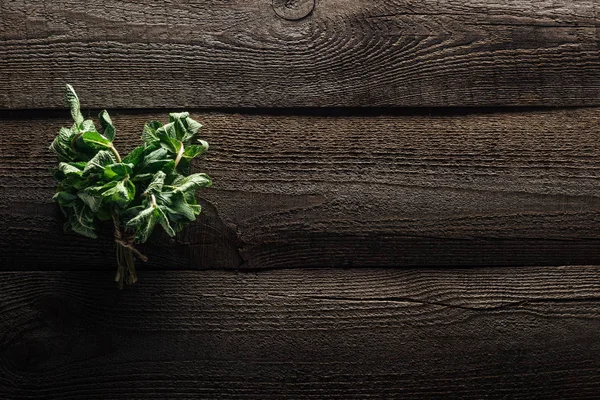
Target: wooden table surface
{"x": 406, "y": 201}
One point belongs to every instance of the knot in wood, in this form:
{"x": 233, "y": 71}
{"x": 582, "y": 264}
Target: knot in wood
{"x": 293, "y": 10}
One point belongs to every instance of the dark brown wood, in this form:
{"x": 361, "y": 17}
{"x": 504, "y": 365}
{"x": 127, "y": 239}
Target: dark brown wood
{"x": 462, "y": 188}
{"x": 497, "y": 333}
{"x": 262, "y": 53}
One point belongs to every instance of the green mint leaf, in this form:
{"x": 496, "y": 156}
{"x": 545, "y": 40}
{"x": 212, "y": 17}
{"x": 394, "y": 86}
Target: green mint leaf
{"x": 178, "y": 116}
{"x": 104, "y": 213}
{"x": 159, "y": 165}
{"x": 73, "y": 182}
{"x": 70, "y": 169}
{"x": 92, "y": 197}
{"x": 168, "y": 137}
{"x": 180, "y": 130}
{"x": 170, "y": 144}
{"x": 64, "y": 199}
{"x": 142, "y": 177}
{"x": 98, "y": 162}
{"x": 192, "y": 126}
{"x": 96, "y": 140}
{"x": 132, "y": 212}
{"x": 117, "y": 171}
{"x": 195, "y": 150}
{"x": 177, "y": 207}
{"x": 185, "y": 127}
{"x": 61, "y": 145}
{"x": 144, "y": 223}
{"x": 73, "y": 102}
{"x": 156, "y": 155}
{"x": 164, "y": 222}
{"x": 108, "y": 129}
{"x": 156, "y": 185}
{"x": 136, "y": 156}
{"x": 149, "y": 135}
{"x": 88, "y": 126}
{"x": 81, "y": 220}
{"x": 197, "y": 208}
{"x": 120, "y": 193}
{"x": 189, "y": 184}
{"x": 157, "y": 160}
{"x": 192, "y": 182}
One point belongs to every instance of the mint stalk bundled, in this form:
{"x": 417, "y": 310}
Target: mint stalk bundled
{"x": 151, "y": 185}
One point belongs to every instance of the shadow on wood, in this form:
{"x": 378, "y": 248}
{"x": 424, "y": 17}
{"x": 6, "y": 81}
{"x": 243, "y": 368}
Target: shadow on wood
{"x": 468, "y": 188}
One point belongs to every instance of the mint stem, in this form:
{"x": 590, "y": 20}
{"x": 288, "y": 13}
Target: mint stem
{"x": 115, "y": 152}
{"x": 124, "y": 238}
{"x": 179, "y": 154}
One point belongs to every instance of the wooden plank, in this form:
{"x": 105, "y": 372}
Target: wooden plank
{"x": 243, "y": 53}
{"x": 517, "y": 333}
{"x": 474, "y": 188}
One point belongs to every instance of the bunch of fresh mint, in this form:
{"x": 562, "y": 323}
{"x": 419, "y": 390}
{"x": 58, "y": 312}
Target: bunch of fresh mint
{"x": 149, "y": 186}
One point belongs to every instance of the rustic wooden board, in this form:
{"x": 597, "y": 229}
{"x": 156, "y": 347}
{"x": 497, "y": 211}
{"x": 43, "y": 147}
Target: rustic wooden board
{"x": 466, "y": 188}
{"x": 243, "y": 53}
{"x": 517, "y": 333}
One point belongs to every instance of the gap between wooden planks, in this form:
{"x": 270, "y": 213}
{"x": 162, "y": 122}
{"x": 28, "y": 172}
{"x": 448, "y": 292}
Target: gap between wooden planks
{"x": 531, "y": 332}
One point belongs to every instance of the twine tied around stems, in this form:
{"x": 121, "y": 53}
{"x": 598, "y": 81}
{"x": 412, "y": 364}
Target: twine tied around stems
{"x": 124, "y": 239}
{"x": 127, "y": 240}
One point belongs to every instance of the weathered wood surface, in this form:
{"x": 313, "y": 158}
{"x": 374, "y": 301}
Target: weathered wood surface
{"x": 249, "y": 53}
{"x": 462, "y": 188}
{"x": 518, "y": 333}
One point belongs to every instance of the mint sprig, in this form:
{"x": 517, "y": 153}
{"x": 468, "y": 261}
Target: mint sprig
{"x": 150, "y": 186}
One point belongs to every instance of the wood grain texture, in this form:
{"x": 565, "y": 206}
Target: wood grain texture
{"x": 460, "y": 188}
{"x": 497, "y": 333}
{"x": 249, "y": 53}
